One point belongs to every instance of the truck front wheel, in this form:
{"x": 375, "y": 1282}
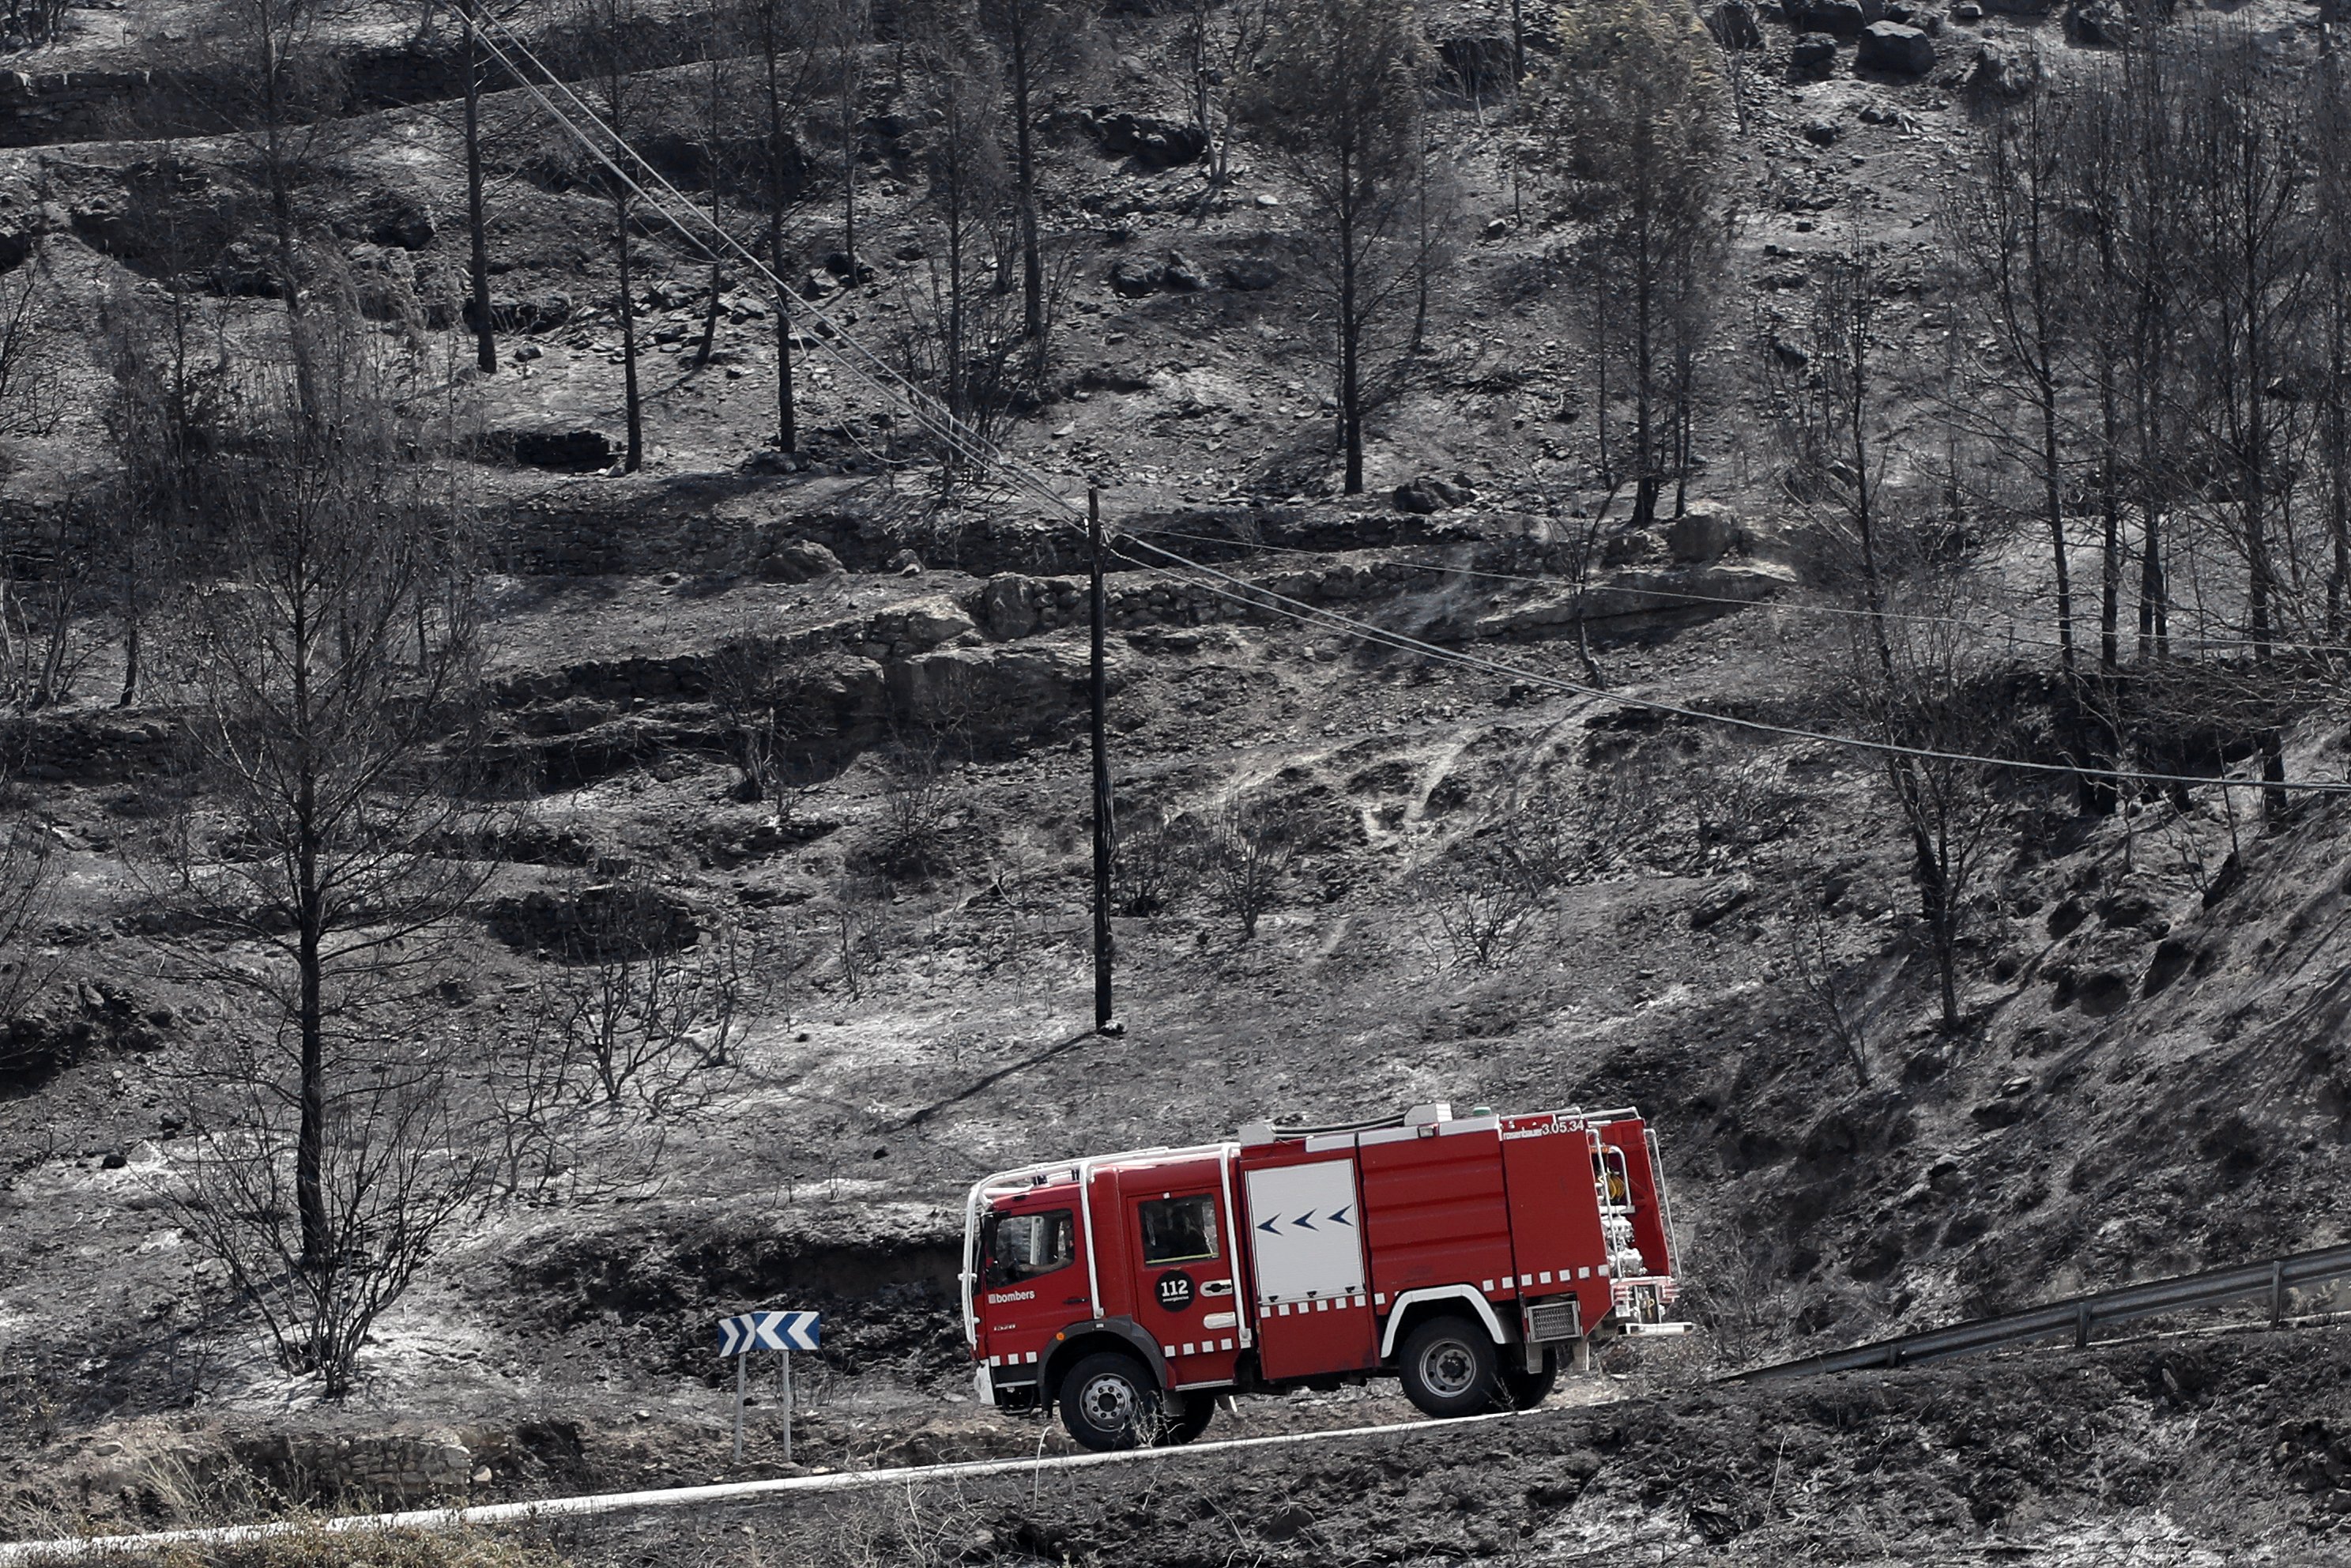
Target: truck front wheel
{"x": 1108, "y": 1401}
{"x": 1449, "y": 1368}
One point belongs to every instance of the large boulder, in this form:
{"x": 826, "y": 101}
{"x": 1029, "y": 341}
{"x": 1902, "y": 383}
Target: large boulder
{"x": 1251, "y": 273}
{"x": 799, "y": 560}
{"x": 1154, "y": 142}
{"x": 1016, "y": 689}
{"x": 1842, "y": 18}
{"x": 1428, "y": 494}
{"x": 1183, "y": 275}
{"x": 2007, "y": 67}
{"x": 1004, "y": 608}
{"x": 405, "y": 226}
{"x": 2097, "y": 24}
{"x": 1812, "y": 55}
{"x": 1703, "y": 534}
{"x": 1137, "y": 279}
{"x": 1896, "y": 49}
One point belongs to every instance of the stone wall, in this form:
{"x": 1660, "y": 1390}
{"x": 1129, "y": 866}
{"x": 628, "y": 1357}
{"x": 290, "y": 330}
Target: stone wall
{"x": 49, "y": 107}
{"x": 402, "y": 1467}
{"x": 84, "y": 749}
{"x": 716, "y": 525}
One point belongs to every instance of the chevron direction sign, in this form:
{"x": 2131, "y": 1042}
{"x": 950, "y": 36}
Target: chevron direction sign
{"x": 1310, "y": 1220}
{"x": 767, "y": 1330}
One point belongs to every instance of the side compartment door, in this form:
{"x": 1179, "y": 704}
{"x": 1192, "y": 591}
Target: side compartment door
{"x": 1313, "y": 1308}
{"x": 1183, "y": 1296}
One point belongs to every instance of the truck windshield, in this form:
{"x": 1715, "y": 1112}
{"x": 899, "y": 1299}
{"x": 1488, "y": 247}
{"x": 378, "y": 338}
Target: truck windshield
{"x": 1023, "y": 1246}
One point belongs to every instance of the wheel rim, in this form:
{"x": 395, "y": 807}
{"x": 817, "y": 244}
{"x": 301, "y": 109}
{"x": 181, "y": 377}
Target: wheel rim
{"x": 1108, "y": 1403}
{"x": 1449, "y": 1368}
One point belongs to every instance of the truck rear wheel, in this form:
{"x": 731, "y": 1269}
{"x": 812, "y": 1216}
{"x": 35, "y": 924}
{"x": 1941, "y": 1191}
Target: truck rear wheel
{"x": 1529, "y": 1389}
{"x": 1109, "y": 1401}
{"x": 1197, "y": 1410}
{"x": 1449, "y": 1368}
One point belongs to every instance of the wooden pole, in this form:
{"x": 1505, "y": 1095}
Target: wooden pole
{"x": 1100, "y": 690}
{"x": 739, "y": 1360}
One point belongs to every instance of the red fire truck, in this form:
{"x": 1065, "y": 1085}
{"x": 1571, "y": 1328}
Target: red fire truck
{"x": 1465, "y": 1255}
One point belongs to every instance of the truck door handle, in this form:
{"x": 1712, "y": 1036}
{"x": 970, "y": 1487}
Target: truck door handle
{"x": 1074, "y": 1301}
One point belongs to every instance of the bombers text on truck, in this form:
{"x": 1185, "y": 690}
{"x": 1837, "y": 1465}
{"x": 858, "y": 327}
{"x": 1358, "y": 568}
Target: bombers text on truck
{"x": 1465, "y": 1256}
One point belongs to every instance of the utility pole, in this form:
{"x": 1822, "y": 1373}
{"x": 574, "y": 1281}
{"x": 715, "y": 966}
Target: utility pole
{"x": 486, "y": 341}
{"x": 1100, "y": 690}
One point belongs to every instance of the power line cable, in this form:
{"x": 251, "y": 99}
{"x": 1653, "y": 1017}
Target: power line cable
{"x": 1252, "y": 596}
{"x": 932, "y": 414}
{"x": 2013, "y": 633}
{"x": 928, "y": 411}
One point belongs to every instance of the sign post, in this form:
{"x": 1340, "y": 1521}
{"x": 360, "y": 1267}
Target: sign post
{"x": 783, "y": 1333}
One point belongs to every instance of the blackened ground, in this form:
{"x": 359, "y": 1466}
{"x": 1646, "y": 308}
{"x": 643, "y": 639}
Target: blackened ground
{"x": 2224, "y": 1449}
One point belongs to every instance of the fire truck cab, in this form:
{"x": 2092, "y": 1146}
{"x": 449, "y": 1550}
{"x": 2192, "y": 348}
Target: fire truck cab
{"x": 1465, "y": 1256}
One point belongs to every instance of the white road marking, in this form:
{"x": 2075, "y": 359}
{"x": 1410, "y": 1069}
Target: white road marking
{"x": 102, "y": 1547}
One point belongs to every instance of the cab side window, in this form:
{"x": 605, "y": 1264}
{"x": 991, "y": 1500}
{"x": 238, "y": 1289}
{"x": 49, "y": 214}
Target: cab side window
{"x": 1023, "y": 1246}
{"x": 1178, "y": 1229}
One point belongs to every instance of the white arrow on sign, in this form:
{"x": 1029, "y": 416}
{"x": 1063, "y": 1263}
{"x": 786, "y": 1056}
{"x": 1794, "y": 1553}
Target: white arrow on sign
{"x": 767, "y": 1330}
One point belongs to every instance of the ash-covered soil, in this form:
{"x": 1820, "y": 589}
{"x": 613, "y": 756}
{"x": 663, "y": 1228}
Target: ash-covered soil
{"x": 2154, "y": 1076}
{"x": 2204, "y": 1450}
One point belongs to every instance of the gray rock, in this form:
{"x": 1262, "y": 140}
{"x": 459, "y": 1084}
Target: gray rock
{"x": 1703, "y": 534}
{"x": 1634, "y": 547}
{"x": 1251, "y": 273}
{"x": 2005, "y": 68}
{"x": 2097, "y": 24}
{"x": 1890, "y": 46}
{"x": 1154, "y": 142}
{"x": 933, "y": 622}
{"x": 1428, "y": 494}
{"x": 1811, "y": 53}
{"x": 1182, "y": 275}
{"x": 1823, "y": 132}
{"x": 1004, "y": 608}
{"x": 801, "y": 560}
{"x": 1844, "y": 18}
{"x": 1136, "y": 279}
{"x": 1720, "y": 900}
{"x": 405, "y": 228}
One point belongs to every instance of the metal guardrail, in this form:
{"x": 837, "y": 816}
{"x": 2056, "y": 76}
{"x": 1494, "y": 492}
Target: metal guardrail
{"x": 2079, "y": 1315}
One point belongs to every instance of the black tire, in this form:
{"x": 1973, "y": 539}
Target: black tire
{"x": 1528, "y": 1389}
{"x": 1198, "y": 1409}
{"x": 1449, "y": 1368}
{"x": 1109, "y": 1401}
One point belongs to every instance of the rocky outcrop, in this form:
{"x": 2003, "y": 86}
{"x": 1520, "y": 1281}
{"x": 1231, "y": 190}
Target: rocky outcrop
{"x": 1429, "y": 494}
{"x": 1154, "y": 142}
{"x": 1839, "y": 19}
{"x": 1703, "y": 534}
{"x": 1896, "y": 49}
